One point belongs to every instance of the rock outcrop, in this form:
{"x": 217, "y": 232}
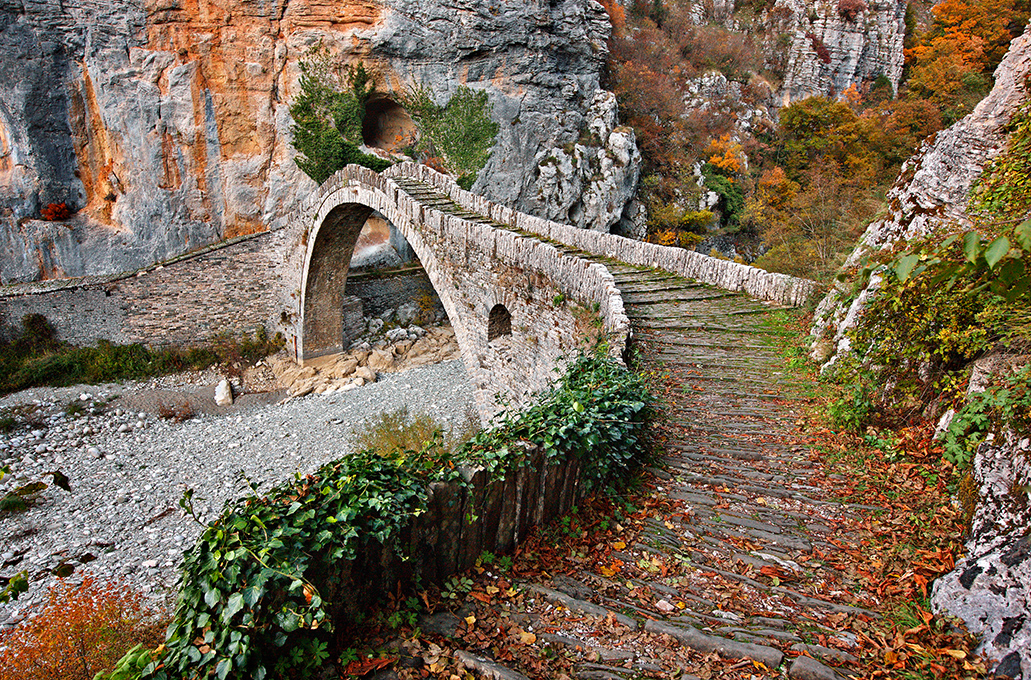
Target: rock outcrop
{"x": 400, "y": 350}
{"x": 839, "y": 44}
{"x": 164, "y": 125}
{"x": 989, "y": 587}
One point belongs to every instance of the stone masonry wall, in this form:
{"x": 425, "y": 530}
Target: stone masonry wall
{"x": 221, "y": 289}
{"x": 382, "y": 291}
{"x": 462, "y": 520}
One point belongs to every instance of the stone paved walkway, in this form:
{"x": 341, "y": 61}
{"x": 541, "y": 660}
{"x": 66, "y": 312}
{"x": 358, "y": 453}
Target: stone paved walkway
{"x": 732, "y": 573}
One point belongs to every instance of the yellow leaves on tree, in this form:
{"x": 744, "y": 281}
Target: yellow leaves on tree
{"x": 727, "y": 155}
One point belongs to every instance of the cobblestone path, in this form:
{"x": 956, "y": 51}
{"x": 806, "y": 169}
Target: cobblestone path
{"x": 731, "y": 576}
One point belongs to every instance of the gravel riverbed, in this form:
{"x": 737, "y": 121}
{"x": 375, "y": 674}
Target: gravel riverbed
{"x": 127, "y": 470}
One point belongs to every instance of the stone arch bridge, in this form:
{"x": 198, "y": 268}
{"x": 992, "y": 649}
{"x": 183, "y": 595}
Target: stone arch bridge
{"x": 521, "y": 292}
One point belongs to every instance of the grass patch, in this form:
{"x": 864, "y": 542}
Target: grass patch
{"x": 36, "y": 357}
{"x": 408, "y": 434}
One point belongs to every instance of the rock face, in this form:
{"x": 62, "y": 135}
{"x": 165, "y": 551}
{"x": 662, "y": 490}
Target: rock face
{"x": 590, "y": 183}
{"x": 990, "y": 589}
{"x": 833, "y": 47}
{"x": 164, "y": 125}
{"x": 933, "y": 187}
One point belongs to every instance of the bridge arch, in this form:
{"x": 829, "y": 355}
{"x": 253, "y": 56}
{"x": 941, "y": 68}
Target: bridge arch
{"x": 329, "y": 246}
{"x": 474, "y": 264}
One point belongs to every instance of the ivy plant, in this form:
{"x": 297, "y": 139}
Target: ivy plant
{"x": 264, "y": 586}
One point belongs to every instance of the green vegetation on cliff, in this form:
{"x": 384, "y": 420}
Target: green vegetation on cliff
{"x": 328, "y": 114}
{"x": 947, "y": 300}
{"x": 457, "y": 136}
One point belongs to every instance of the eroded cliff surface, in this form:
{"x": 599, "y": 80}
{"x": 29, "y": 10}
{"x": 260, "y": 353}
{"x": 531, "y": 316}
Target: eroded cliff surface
{"x": 165, "y": 123}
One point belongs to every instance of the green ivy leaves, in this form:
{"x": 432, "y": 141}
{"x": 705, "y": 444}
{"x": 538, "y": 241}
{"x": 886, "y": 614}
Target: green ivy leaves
{"x": 254, "y": 600}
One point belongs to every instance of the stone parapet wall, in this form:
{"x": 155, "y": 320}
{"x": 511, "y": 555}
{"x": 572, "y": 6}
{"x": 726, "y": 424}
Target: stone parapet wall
{"x": 758, "y": 283}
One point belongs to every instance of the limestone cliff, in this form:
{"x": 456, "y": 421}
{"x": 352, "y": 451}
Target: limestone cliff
{"x": 839, "y": 44}
{"x": 165, "y": 125}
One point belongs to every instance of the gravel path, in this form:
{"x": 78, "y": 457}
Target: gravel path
{"x": 128, "y": 470}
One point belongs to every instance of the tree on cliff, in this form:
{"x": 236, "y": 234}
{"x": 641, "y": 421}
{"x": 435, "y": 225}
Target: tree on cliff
{"x": 328, "y": 115}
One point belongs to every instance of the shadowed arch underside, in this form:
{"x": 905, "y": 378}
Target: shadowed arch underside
{"x": 328, "y": 261}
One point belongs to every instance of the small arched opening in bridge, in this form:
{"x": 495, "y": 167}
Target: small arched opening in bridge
{"x": 387, "y": 125}
{"x": 499, "y": 323}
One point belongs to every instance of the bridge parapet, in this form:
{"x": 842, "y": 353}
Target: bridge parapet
{"x": 726, "y": 274}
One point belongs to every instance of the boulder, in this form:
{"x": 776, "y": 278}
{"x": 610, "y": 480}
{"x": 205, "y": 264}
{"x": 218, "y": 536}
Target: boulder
{"x": 224, "y": 393}
{"x": 407, "y": 313}
{"x": 342, "y": 368}
{"x": 380, "y": 360}
{"x": 365, "y": 374}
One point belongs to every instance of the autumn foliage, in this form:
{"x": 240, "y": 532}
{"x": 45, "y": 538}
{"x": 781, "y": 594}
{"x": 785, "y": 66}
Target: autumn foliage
{"x": 80, "y": 631}
{"x": 55, "y": 212}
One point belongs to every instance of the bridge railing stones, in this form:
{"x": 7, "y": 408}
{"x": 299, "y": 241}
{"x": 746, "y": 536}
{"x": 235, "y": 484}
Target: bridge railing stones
{"x": 726, "y": 274}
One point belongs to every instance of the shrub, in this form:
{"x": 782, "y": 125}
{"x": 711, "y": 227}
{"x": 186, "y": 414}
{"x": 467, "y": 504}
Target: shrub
{"x": 328, "y": 114}
{"x": 820, "y": 47}
{"x": 850, "y": 9}
{"x": 81, "y": 631}
{"x": 177, "y": 411}
{"x": 461, "y": 132}
{"x": 598, "y": 412}
{"x": 55, "y": 212}
{"x": 1006, "y": 403}
{"x": 259, "y": 587}
{"x": 400, "y": 431}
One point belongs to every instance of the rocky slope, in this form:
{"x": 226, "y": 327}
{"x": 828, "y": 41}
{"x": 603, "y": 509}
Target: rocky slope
{"x": 165, "y": 123}
{"x": 932, "y": 189}
{"x": 989, "y": 587}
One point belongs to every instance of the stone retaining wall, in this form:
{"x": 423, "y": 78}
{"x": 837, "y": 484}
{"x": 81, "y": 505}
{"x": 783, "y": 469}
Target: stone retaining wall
{"x": 381, "y": 291}
{"x": 229, "y": 288}
{"x": 460, "y": 523}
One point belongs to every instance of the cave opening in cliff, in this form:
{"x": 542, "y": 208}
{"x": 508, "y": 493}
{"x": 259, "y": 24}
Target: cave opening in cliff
{"x": 387, "y": 125}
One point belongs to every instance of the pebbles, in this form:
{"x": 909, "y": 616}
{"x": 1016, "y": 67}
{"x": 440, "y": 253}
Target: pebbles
{"x": 128, "y": 471}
